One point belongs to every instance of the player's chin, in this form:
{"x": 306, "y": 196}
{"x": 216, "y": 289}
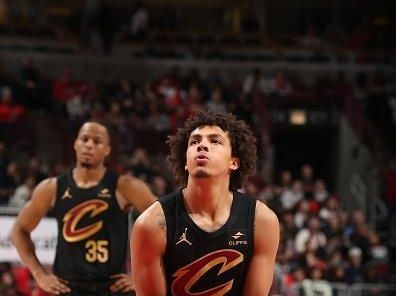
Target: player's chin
{"x": 201, "y": 173}
{"x": 86, "y": 164}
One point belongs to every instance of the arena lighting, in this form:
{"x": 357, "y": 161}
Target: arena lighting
{"x": 298, "y": 117}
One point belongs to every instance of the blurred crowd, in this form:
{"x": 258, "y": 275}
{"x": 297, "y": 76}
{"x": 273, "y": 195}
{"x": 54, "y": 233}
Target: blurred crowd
{"x": 97, "y": 24}
{"x": 321, "y": 242}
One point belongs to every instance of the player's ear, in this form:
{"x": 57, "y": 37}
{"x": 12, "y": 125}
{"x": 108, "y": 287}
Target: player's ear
{"x": 108, "y": 150}
{"x": 235, "y": 163}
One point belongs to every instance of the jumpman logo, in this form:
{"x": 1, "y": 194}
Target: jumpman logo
{"x": 67, "y": 194}
{"x": 183, "y": 238}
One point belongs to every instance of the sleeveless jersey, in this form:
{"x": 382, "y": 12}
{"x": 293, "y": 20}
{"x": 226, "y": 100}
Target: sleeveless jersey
{"x": 93, "y": 230}
{"x": 201, "y": 263}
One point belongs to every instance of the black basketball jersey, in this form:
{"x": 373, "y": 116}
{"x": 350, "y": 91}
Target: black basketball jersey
{"x": 93, "y": 230}
{"x": 205, "y": 263}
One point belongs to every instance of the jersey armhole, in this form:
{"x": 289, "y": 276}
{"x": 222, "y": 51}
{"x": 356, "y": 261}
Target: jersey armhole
{"x": 167, "y": 222}
{"x": 252, "y": 215}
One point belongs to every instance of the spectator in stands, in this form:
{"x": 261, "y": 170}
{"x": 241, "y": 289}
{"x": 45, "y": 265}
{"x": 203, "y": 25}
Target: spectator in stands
{"x": 289, "y": 228}
{"x": 139, "y": 165}
{"x": 123, "y": 90}
{"x": 13, "y": 178}
{"x": 280, "y": 85}
{"x": 22, "y": 193}
{"x": 97, "y": 111}
{"x": 63, "y": 89}
{"x": 139, "y": 21}
{"x": 32, "y": 91}
{"x": 337, "y": 274}
{"x": 334, "y": 234}
{"x": 316, "y": 285}
{"x": 307, "y": 178}
{"x": 320, "y": 192}
{"x": 10, "y": 111}
{"x": 336, "y": 258}
{"x": 158, "y": 120}
{"x": 159, "y": 186}
{"x": 313, "y": 257}
{"x": 243, "y": 108}
{"x": 115, "y": 118}
{"x": 359, "y": 232}
{"x": 256, "y": 82}
{"x": 303, "y": 213}
{"x": 291, "y": 197}
{"x": 35, "y": 169}
{"x": 77, "y": 109}
{"x": 216, "y": 103}
{"x": 311, "y": 237}
{"x": 330, "y": 208}
{"x": 194, "y": 99}
{"x": 378, "y": 259}
{"x": 295, "y": 280}
{"x": 354, "y": 272}
{"x": 286, "y": 179}
{"x": 7, "y": 281}
{"x": 272, "y": 197}
{"x": 170, "y": 91}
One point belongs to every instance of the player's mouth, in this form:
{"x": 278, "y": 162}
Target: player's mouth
{"x": 87, "y": 155}
{"x": 201, "y": 159}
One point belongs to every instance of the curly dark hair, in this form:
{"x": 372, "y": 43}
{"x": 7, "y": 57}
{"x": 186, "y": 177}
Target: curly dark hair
{"x": 243, "y": 145}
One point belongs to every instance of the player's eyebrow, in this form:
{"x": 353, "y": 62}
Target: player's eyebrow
{"x": 198, "y": 136}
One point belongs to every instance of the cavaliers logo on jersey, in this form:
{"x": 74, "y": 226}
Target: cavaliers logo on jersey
{"x": 188, "y": 275}
{"x": 71, "y": 232}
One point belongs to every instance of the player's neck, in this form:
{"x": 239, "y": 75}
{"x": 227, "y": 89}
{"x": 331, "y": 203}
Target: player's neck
{"x": 201, "y": 197}
{"x": 88, "y": 177}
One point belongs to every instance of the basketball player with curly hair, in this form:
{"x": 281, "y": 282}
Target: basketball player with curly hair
{"x": 207, "y": 238}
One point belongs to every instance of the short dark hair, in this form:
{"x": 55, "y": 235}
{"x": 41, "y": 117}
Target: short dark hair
{"x": 243, "y": 145}
{"x": 99, "y": 122}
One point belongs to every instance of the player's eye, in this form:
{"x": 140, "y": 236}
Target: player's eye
{"x": 216, "y": 141}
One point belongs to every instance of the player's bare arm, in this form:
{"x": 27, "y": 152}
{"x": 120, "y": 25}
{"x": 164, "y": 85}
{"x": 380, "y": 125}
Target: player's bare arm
{"x": 42, "y": 200}
{"x": 266, "y": 241}
{"x": 134, "y": 192}
{"x": 131, "y": 192}
{"x": 148, "y": 242}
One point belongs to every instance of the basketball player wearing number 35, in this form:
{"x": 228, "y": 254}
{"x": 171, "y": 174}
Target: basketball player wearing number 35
{"x": 207, "y": 239}
{"x": 90, "y": 204}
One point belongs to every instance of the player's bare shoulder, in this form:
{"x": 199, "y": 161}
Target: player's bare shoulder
{"x": 125, "y": 183}
{"x": 45, "y": 191}
{"x": 49, "y": 183}
{"x": 265, "y": 218}
{"x": 150, "y": 227}
{"x": 152, "y": 219}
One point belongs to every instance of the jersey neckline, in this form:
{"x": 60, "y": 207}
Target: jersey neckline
{"x": 217, "y": 232}
{"x": 73, "y": 182}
